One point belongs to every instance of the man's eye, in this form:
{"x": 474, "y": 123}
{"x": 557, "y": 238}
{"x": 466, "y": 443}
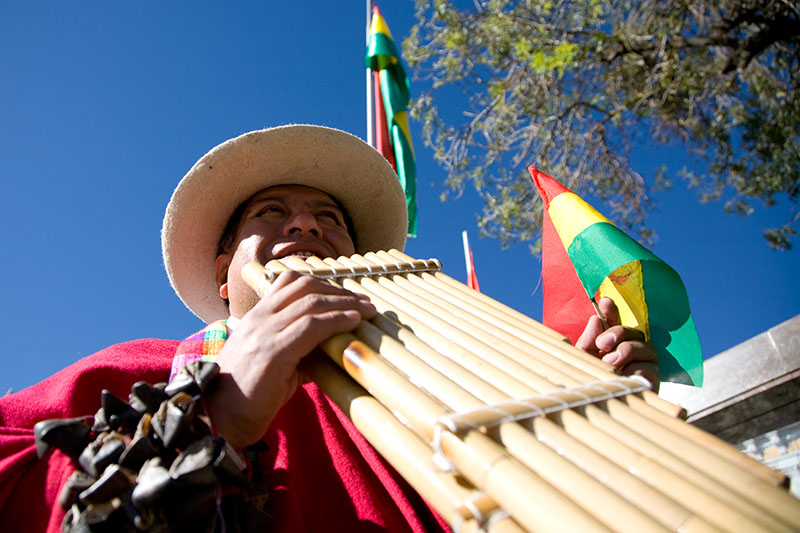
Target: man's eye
{"x": 268, "y": 210}
{"x": 332, "y": 215}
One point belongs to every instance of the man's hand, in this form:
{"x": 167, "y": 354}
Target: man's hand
{"x": 258, "y": 363}
{"x": 622, "y": 347}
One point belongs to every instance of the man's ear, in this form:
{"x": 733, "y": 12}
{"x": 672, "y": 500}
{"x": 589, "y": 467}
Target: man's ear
{"x": 222, "y": 264}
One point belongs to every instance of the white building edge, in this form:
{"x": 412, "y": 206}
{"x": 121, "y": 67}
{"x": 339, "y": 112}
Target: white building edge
{"x": 751, "y": 398}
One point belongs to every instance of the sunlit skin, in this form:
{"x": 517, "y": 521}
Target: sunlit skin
{"x": 259, "y": 361}
{"x": 278, "y": 222}
{"x": 624, "y": 348}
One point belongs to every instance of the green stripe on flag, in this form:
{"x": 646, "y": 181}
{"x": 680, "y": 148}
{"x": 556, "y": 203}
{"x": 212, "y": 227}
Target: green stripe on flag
{"x": 672, "y": 328}
{"x": 407, "y": 173}
{"x": 395, "y": 92}
{"x": 380, "y": 45}
{"x": 601, "y": 249}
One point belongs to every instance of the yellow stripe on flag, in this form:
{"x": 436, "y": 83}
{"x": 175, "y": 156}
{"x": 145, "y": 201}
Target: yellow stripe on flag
{"x": 379, "y": 25}
{"x": 401, "y": 118}
{"x": 624, "y": 286}
{"x": 571, "y": 215}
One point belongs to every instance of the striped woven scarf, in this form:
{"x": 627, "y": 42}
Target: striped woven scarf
{"x": 202, "y": 346}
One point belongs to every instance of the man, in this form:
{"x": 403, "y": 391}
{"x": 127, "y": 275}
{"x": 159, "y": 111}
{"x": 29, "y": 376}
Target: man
{"x": 293, "y": 190}
{"x": 279, "y": 174}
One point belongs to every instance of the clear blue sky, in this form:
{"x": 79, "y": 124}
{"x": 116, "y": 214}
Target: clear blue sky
{"x": 105, "y": 105}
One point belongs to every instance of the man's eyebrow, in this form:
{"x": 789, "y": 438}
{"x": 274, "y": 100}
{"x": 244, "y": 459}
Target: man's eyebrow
{"x": 283, "y": 199}
{"x": 325, "y": 203}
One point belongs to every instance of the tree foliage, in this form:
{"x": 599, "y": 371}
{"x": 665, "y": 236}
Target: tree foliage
{"x": 576, "y": 86}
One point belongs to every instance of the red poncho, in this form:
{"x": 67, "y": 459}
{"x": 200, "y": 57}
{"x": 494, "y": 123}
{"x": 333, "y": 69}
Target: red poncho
{"x": 322, "y": 474}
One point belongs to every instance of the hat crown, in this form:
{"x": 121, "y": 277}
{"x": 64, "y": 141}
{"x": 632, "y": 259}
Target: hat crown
{"x": 333, "y": 161}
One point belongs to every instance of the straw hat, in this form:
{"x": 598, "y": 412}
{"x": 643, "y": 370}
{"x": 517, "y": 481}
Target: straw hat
{"x": 330, "y": 160}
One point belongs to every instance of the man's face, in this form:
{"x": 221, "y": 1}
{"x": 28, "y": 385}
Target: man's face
{"x": 280, "y": 222}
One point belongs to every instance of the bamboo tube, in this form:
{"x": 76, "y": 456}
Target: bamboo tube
{"x": 470, "y": 301}
{"x": 778, "y": 503}
{"x": 406, "y": 452}
{"x": 744, "y": 520}
{"x": 442, "y": 324}
{"x": 540, "y": 458}
{"x": 476, "y": 386}
{"x": 714, "y": 445}
{"x": 569, "y": 432}
{"x": 664, "y": 471}
{"x": 607, "y": 505}
{"x": 509, "y": 312}
{"x": 526, "y": 326}
{"x": 443, "y": 336}
{"x": 417, "y": 311}
{"x": 593, "y": 460}
{"x": 544, "y": 461}
{"x": 734, "y": 514}
{"x": 533, "y": 503}
{"x": 736, "y": 456}
{"x": 500, "y": 352}
{"x": 460, "y": 363}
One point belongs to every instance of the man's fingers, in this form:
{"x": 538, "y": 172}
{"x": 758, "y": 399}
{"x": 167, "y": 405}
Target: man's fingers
{"x": 303, "y": 335}
{"x": 314, "y": 317}
{"x": 586, "y": 342}
{"x": 608, "y": 340}
{"x": 291, "y": 286}
{"x": 630, "y": 352}
{"x": 609, "y": 310}
{"x": 320, "y": 327}
{"x": 318, "y": 303}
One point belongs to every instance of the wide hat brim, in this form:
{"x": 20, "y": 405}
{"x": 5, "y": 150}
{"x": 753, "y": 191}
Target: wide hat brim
{"x": 333, "y": 161}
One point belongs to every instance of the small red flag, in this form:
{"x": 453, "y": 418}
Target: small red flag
{"x": 472, "y": 278}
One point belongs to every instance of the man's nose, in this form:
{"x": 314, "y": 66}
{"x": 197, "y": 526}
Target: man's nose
{"x": 304, "y": 224}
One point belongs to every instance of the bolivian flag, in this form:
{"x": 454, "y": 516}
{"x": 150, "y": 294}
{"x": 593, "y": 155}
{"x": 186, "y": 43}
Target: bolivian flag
{"x": 649, "y": 294}
{"x": 391, "y": 90}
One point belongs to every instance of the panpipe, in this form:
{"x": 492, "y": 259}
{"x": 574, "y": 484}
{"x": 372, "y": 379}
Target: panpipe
{"x": 501, "y": 425}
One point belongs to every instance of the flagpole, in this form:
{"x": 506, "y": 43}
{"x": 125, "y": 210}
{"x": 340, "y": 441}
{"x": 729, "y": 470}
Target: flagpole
{"x": 465, "y": 240}
{"x": 370, "y": 132}
{"x": 600, "y": 314}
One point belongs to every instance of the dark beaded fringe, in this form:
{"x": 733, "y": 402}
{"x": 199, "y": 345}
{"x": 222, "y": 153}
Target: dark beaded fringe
{"x": 154, "y": 464}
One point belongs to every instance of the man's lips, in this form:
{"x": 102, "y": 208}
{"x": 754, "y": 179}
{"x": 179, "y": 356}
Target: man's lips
{"x": 301, "y": 249}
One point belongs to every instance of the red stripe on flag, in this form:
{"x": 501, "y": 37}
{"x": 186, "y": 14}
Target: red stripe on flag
{"x": 565, "y": 305}
{"x": 472, "y": 278}
{"x": 548, "y": 187}
{"x": 383, "y": 142}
